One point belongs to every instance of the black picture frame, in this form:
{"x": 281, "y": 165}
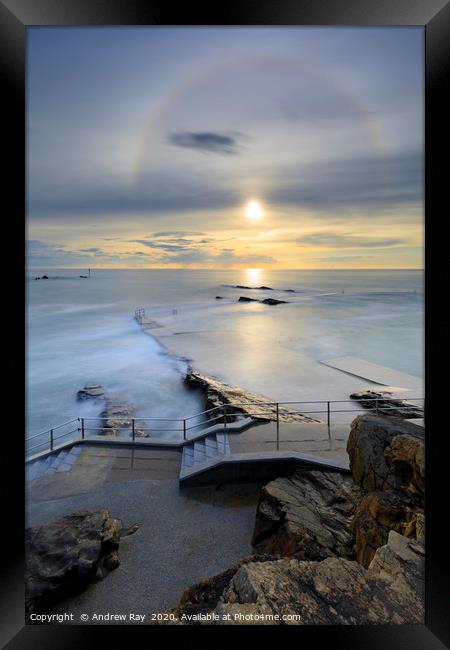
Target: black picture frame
{"x": 434, "y": 16}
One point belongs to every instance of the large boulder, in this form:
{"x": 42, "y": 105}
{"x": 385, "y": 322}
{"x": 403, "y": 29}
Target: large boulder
{"x": 307, "y": 516}
{"x": 334, "y": 591}
{"x": 380, "y": 512}
{"x": 63, "y": 557}
{"x": 405, "y": 458}
{"x": 369, "y": 437}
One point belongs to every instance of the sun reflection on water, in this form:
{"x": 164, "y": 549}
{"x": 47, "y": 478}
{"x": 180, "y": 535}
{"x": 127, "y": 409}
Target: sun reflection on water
{"x": 253, "y": 276}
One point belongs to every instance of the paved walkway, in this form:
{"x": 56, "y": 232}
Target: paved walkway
{"x": 308, "y": 438}
{"x": 182, "y": 538}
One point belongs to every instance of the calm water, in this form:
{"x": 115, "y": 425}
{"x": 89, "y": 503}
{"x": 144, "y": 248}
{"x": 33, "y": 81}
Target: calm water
{"x": 83, "y": 331}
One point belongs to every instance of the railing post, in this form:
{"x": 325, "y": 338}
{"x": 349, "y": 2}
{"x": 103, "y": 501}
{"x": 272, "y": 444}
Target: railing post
{"x": 133, "y": 430}
{"x": 328, "y": 414}
{"x": 51, "y": 439}
{"x": 278, "y": 427}
{"x": 224, "y": 407}
{"x": 82, "y": 428}
{"x": 376, "y": 406}
{"x": 184, "y": 429}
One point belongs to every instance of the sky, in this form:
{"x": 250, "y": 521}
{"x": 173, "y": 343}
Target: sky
{"x": 146, "y": 145}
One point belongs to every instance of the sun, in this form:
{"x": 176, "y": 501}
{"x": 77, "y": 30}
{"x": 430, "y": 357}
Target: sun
{"x": 253, "y": 211}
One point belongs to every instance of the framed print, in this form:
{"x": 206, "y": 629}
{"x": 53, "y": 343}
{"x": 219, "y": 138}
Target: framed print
{"x": 230, "y": 228}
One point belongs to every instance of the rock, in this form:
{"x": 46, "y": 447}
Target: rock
{"x": 307, "y": 516}
{"x": 405, "y": 458}
{"x": 272, "y": 301}
{"x": 386, "y": 405}
{"x": 369, "y": 436}
{"x": 420, "y": 526}
{"x": 63, "y": 557}
{"x": 217, "y": 393}
{"x": 117, "y": 415}
{"x": 378, "y": 513}
{"x": 45, "y": 277}
{"x": 334, "y": 591}
{"x": 261, "y": 288}
{"x": 140, "y": 433}
{"x": 219, "y": 298}
{"x": 245, "y": 299}
{"x": 91, "y": 391}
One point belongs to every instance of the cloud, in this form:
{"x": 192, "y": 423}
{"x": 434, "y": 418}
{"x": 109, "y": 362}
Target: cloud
{"x": 229, "y": 258}
{"x": 41, "y": 254}
{"x": 210, "y": 142}
{"x": 372, "y": 184}
{"x": 333, "y": 240}
{"x": 175, "y": 233}
{"x": 160, "y": 245}
{"x": 155, "y": 193}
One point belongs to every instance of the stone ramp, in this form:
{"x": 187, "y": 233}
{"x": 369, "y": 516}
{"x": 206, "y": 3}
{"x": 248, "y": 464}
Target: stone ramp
{"x": 254, "y": 467}
{"x": 398, "y": 382}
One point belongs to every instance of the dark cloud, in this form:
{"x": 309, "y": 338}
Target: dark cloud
{"x": 332, "y": 240}
{"x": 160, "y": 245}
{"x": 205, "y": 141}
{"x": 175, "y": 233}
{"x": 155, "y": 193}
{"x": 372, "y": 184}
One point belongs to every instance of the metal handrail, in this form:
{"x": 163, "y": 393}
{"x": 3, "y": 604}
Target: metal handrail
{"x": 56, "y": 427}
{"x": 225, "y": 413}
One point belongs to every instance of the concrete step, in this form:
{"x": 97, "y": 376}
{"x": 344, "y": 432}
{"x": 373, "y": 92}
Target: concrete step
{"x": 58, "y": 461}
{"x": 204, "y": 450}
{"x": 199, "y": 451}
{"x": 37, "y": 468}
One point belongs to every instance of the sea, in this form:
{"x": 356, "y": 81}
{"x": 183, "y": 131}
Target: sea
{"x": 83, "y": 330}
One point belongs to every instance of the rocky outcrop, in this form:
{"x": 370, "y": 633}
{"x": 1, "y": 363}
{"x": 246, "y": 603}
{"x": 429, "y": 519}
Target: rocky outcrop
{"x": 380, "y": 512}
{"x": 373, "y": 463}
{"x": 261, "y": 288}
{"x": 266, "y": 301}
{"x": 387, "y": 459}
{"x": 334, "y": 591}
{"x": 382, "y": 403}
{"x": 64, "y": 557}
{"x": 405, "y": 458}
{"x": 272, "y": 301}
{"x": 307, "y": 516}
{"x": 91, "y": 391}
{"x": 331, "y": 548}
{"x": 116, "y": 414}
{"x": 260, "y": 408}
